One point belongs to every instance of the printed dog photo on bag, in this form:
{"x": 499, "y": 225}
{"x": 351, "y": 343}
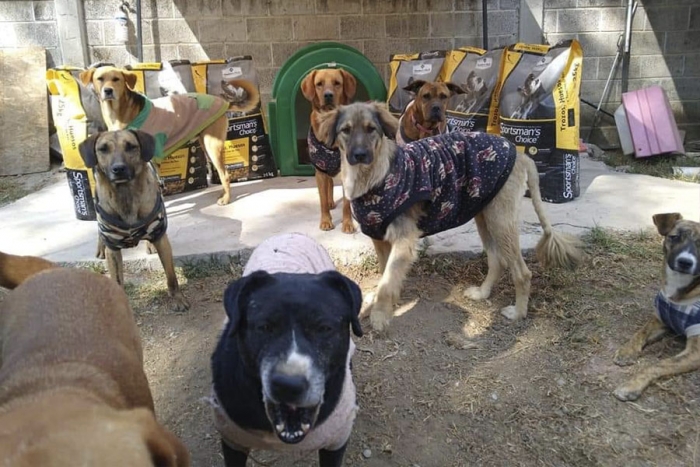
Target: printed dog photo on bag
{"x": 405, "y": 68}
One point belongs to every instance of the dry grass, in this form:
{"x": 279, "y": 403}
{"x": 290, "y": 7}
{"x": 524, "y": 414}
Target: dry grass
{"x": 658, "y": 166}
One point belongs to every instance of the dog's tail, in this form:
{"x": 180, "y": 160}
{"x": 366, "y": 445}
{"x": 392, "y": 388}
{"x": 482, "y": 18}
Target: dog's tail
{"x": 16, "y": 269}
{"x": 555, "y": 249}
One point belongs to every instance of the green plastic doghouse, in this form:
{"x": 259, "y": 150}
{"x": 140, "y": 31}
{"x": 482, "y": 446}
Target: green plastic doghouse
{"x": 289, "y": 112}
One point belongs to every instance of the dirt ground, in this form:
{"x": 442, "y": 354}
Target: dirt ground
{"x": 455, "y": 384}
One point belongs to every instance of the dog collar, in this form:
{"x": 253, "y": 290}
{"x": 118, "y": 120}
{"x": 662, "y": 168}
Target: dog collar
{"x": 431, "y": 132}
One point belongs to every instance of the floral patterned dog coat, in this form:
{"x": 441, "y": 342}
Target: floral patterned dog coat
{"x": 457, "y": 174}
{"x": 325, "y": 159}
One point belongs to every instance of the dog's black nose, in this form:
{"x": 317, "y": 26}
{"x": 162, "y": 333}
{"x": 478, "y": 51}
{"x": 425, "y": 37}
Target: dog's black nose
{"x": 328, "y": 97}
{"x": 288, "y": 388}
{"x": 436, "y": 111}
{"x": 685, "y": 263}
{"x": 118, "y": 169}
{"x": 359, "y": 156}
{"x": 109, "y": 92}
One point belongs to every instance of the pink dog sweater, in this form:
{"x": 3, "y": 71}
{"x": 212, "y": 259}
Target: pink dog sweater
{"x": 297, "y": 254}
{"x": 175, "y": 120}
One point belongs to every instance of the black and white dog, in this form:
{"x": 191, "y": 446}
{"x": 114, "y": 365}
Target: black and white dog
{"x": 281, "y": 368}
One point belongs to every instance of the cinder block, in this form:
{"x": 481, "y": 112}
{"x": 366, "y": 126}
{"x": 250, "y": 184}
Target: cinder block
{"x": 590, "y": 68}
{"x": 359, "y": 45}
{"x": 695, "y": 17}
{"x": 95, "y": 33}
{"x": 244, "y": 7}
{"x": 692, "y": 131}
{"x": 472, "y": 41}
{"x": 578, "y": 20}
{"x": 269, "y": 29}
{"x": 266, "y": 77}
{"x": 336, "y": 7}
{"x": 54, "y": 57}
{"x": 120, "y": 56}
{"x": 692, "y": 65}
{"x": 296, "y": 7}
{"x": 174, "y": 31}
{"x": 406, "y": 6}
{"x": 197, "y": 8}
{"x": 42, "y": 34}
{"x": 599, "y": 44}
{"x": 592, "y": 90}
{"x": 452, "y": 24}
{"x": 379, "y": 51}
{"x": 475, "y": 5}
{"x": 682, "y": 41}
{"x": 417, "y": 25}
{"x": 613, "y": 19}
{"x": 668, "y": 18}
{"x": 161, "y": 9}
{"x": 260, "y": 52}
{"x": 315, "y": 28}
{"x": 594, "y": 3}
{"x": 550, "y": 23}
{"x": 43, "y": 11}
{"x": 8, "y": 38}
{"x": 200, "y": 52}
{"x": 154, "y": 53}
{"x": 549, "y": 4}
{"x": 362, "y": 27}
{"x": 502, "y": 22}
{"x": 16, "y": 11}
{"x": 553, "y": 38}
{"x": 658, "y": 66}
{"x": 508, "y": 5}
{"x": 98, "y": 9}
{"x": 222, "y": 30}
{"x": 281, "y": 51}
{"x": 426, "y": 45}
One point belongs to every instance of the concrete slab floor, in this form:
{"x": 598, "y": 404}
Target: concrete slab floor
{"x": 44, "y": 222}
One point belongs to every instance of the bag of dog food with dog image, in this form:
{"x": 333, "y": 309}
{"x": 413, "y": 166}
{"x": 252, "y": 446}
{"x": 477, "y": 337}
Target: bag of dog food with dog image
{"x": 76, "y": 114}
{"x": 539, "y": 112}
{"x": 248, "y": 154}
{"x": 477, "y": 72}
{"x": 405, "y": 68}
{"x": 185, "y": 169}
{"x": 163, "y": 79}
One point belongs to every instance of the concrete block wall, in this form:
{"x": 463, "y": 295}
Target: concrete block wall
{"x": 272, "y": 30}
{"x": 665, "y": 51}
{"x": 24, "y": 23}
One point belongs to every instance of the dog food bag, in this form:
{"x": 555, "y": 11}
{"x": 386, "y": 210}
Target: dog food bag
{"x": 248, "y": 153}
{"x": 69, "y": 100}
{"x": 185, "y": 169}
{"x": 163, "y": 79}
{"x": 478, "y": 73}
{"x": 539, "y": 112}
{"x": 405, "y": 68}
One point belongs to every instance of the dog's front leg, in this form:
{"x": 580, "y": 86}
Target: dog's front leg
{"x": 115, "y": 266}
{"x": 100, "y": 253}
{"x": 383, "y": 249}
{"x": 322, "y": 183}
{"x": 232, "y": 457}
{"x": 402, "y": 234}
{"x": 165, "y": 253}
{"x": 649, "y": 333}
{"x": 331, "y": 458}
{"x": 348, "y": 224}
{"x": 686, "y": 361}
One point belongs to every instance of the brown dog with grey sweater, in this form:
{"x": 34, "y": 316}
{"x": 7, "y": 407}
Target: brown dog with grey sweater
{"x": 72, "y": 386}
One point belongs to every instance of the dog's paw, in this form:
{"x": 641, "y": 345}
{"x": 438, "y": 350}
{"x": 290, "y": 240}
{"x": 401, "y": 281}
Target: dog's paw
{"x": 625, "y": 357}
{"x": 326, "y": 225}
{"x": 100, "y": 253}
{"x": 628, "y": 392}
{"x": 379, "y": 321}
{"x": 474, "y": 293}
{"x": 348, "y": 227}
{"x": 150, "y": 248}
{"x": 512, "y": 313}
{"x": 331, "y": 205}
{"x": 224, "y": 200}
{"x": 178, "y": 303}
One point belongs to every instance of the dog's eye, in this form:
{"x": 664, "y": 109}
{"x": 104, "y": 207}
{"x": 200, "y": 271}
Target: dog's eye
{"x": 324, "y": 329}
{"x": 370, "y": 129}
{"x": 336, "y": 83}
{"x": 345, "y": 130}
{"x": 100, "y": 79}
{"x": 114, "y": 80}
{"x": 103, "y": 148}
{"x": 265, "y": 327}
{"x": 318, "y": 85}
{"x": 426, "y": 96}
{"x": 443, "y": 96}
{"x": 129, "y": 146}
{"x": 674, "y": 237}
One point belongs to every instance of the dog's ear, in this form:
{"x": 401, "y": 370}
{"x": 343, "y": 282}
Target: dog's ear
{"x": 664, "y": 222}
{"x": 326, "y": 123}
{"x": 349, "y": 86}
{"x": 237, "y": 295}
{"x": 130, "y": 79}
{"x": 352, "y": 293}
{"x": 308, "y": 86}
{"x": 87, "y": 151}
{"x": 389, "y": 123}
{"x": 147, "y": 144}
{"x": 414, "y": 86}
{"x": 86, "y": 76}
{"x": 454, "y": 88}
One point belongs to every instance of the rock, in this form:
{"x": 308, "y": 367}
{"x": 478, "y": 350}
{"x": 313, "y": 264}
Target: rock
{"x": 367, "y": 453}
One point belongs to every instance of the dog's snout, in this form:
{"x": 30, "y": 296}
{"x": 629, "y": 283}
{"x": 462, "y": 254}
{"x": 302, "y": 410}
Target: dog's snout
{"x": 119, "y": 169}
{"x": 359, "y": 156}
{"x": 288, "y": 388}
{"x": 436, "y": 110}
{"x": 108, "y": 92}
{"x": 685, "y": 263}
{"x": 328, "y": 97}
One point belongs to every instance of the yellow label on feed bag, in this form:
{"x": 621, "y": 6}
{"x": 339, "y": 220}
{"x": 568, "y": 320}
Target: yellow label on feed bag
{"x": 175, "y": 164}
{"x": 237, "y": 152}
